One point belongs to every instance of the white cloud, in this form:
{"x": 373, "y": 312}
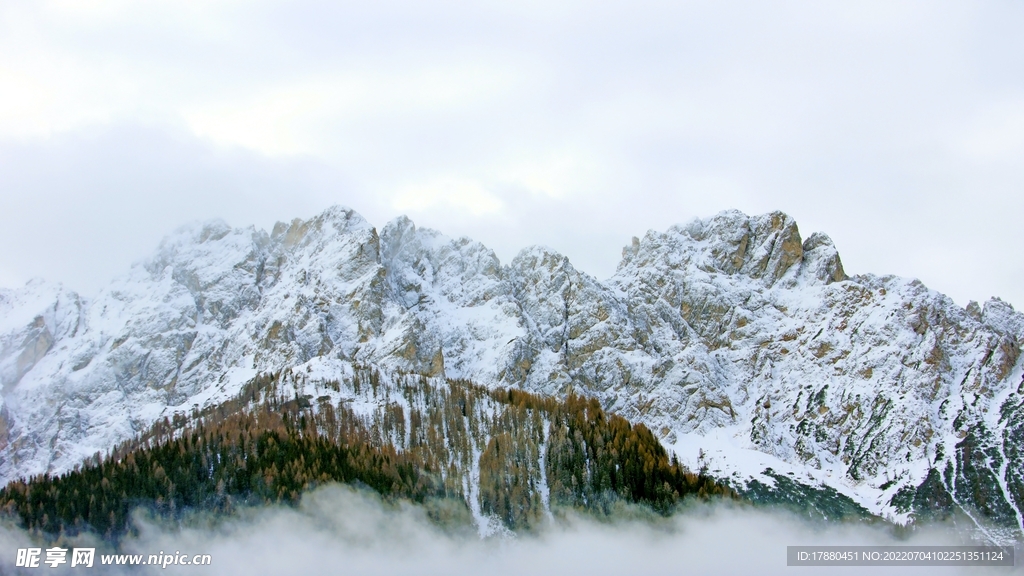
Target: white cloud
{"x": 447, "y": 193}
{"x": 996, "y": 134}
{"x": 337, "y": 530}
{"x": 306, "y": 116}
{"x": 893, "y": 126}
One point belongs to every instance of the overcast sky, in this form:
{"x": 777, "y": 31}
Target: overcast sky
{"x": 895, "y": 127}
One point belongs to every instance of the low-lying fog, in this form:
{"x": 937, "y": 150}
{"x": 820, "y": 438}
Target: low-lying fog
{"x": 339, "y": 530}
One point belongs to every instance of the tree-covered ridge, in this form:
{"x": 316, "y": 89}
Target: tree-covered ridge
{"x": 506, "y": 454}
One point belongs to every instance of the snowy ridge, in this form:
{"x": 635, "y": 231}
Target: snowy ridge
{"x": 731, "y": 334}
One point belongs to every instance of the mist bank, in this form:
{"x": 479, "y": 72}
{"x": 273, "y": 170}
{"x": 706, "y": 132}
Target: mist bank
{"x": 338, "y": 529}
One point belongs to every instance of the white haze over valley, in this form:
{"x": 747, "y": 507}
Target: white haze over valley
{"x": 339, "y": 530}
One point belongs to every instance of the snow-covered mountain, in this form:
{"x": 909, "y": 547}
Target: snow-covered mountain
{"x": 743, "y": 346}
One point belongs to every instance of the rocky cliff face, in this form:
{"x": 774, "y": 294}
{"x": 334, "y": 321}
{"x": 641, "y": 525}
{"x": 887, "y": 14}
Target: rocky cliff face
{"x": 731, "y": 336}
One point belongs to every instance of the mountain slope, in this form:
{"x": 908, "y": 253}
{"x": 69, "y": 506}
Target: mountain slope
{"x": 730, "y": 335}
{"x": 502, "y": 459}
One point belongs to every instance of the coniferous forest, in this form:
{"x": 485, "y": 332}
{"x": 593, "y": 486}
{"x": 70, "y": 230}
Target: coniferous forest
{"x": 518, "y": 456}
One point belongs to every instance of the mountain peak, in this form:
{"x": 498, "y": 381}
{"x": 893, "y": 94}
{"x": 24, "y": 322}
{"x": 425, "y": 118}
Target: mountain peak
{"x": 821, "y": 258}
{"x": 764, "y": 247}
{"x": 336, "y": 220}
